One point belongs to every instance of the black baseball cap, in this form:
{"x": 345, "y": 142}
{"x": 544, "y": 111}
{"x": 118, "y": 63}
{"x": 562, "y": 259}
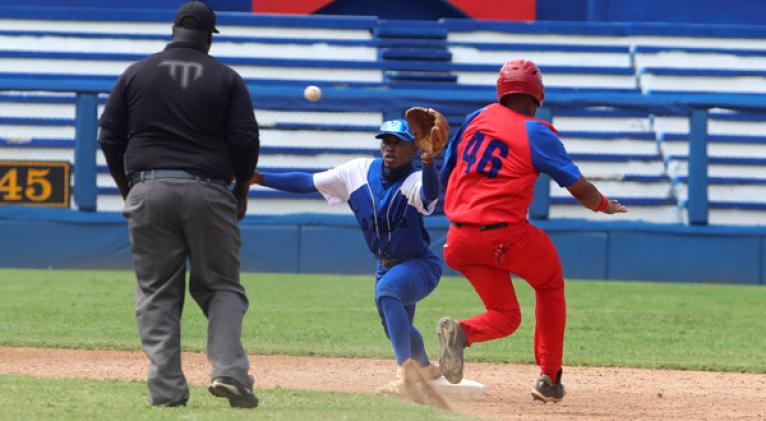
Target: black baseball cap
{"x": 197, "y": 16}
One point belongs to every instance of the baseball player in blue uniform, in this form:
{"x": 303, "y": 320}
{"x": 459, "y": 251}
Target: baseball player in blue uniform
{"x": 389, "y": 197}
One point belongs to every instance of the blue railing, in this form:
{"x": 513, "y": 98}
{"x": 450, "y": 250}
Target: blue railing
{"x": 693, "y": 106}
{"x": 697, "y": 206}
{"x": 86, "y": 128}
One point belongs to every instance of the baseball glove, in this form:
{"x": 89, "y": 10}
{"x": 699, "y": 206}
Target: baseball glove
{"x": 430, "y": 129}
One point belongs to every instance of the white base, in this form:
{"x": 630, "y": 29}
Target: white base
{"x": 465, "y": 387}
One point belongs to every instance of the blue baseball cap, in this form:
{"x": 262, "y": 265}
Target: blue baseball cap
{"x": 398, "y": 128}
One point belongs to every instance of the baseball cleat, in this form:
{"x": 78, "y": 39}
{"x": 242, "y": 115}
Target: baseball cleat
{"x": 432, "y": 372}
{"x": 395, "y": 386}
{"x": 451, "y": 345}
{"x": 546, "y": 391}
{"x": 238, "y": 395}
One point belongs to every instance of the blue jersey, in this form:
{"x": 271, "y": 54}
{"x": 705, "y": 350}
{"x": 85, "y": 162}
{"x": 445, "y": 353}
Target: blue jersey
{"x": 390, "y": 213}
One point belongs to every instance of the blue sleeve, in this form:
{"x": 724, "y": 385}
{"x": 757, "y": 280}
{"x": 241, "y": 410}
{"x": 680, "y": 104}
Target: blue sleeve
{"x": 430, "y": 189}
{"x": 549, "y": 155}
{"x": 296, "y": 182}
{"x": 450, "y": 155}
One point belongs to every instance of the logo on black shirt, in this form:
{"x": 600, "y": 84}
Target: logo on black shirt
{"x": 181, "y": 71}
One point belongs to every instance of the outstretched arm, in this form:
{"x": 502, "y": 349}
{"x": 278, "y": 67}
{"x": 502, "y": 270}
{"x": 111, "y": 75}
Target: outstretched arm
{"x": 584, "y": 191}
{"x": 296, "y": 182}
{"x": 550, "y": 157}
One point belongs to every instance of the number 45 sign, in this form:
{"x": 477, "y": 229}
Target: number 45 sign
{"x": 38, "y": 183}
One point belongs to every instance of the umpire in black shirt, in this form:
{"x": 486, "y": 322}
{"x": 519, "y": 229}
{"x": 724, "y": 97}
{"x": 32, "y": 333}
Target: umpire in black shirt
{"x": 177, "y": 130}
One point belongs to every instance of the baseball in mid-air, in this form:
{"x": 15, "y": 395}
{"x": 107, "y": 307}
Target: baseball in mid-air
{"x": 312, "y": 93}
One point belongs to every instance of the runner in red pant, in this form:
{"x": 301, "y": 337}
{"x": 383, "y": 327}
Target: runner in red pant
{"x": 490, "y": 169}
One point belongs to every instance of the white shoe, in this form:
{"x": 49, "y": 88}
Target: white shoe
{"x": 395, "y": 386}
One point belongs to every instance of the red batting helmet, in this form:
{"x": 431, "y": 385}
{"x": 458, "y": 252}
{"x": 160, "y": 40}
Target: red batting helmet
{"x": 520, "y": 77}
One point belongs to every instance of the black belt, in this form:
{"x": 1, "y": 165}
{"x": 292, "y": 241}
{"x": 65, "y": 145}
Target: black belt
{"x": 483, "y": 227}
{"x": 140, "y": 176}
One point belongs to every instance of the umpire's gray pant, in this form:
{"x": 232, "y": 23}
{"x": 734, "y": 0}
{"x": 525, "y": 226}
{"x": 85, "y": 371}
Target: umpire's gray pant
{"x": 172, "y": 221}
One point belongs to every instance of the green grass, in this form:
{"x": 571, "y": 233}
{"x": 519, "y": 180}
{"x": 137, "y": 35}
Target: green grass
{"x": 30, "y": 398}
{"x": 630, "y": 324}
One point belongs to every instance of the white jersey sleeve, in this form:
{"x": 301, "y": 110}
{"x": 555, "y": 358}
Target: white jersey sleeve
{"x": 411, "y": 190}
{"x": 337, "y": 184}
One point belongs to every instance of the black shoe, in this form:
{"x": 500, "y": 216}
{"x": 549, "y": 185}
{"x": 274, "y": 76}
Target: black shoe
{"x": 173, "y": 404}
{"x": 545, "y": 390}
{"x": 451, "y": 345}
{"x": 239, "y": 395}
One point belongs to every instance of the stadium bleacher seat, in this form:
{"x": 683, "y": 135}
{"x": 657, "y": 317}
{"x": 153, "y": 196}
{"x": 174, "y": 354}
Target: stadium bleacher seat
{"x": 635, "y": 156}
{"x": 721, "y": 122}
{"x": 603, "y": 119}
{"x": 736, "y": 176}
{"x": 676, "y": 57}
{"x": 661, "y": 79}
{"x": 736, "y": 168}
{"x": 542, "y": 54}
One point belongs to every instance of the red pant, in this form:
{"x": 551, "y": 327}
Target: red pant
{"x": 486, "y": 258}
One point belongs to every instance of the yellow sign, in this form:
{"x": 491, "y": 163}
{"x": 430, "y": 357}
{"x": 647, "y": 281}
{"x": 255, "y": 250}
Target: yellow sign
{"x": 37, "y": 183}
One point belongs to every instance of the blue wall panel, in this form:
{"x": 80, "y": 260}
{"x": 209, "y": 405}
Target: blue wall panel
{"x": 217, "y": 5}
{"x": 741, "y": 12}
{"x": 334, "y": 249}
{"x": 393, "y": 9}
{"x": 230, "y": 5}
{"x": 583, "y": 254}
{"x": 684, "y": 257}
{"x": 132, "y": 4}
{"x": 57, "y": 244}
{"x": 438, "y": 238}
{"x": 269, "y": 248}
{"x": 574, "y": 10}
{"x": 762, "y": 265}
{"x": 59, "y": 238}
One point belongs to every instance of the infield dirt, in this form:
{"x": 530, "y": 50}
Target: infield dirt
{"x": 592, "y": 393}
